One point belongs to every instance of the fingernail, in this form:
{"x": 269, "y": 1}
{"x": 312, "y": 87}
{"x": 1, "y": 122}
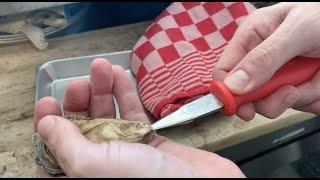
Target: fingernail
{"x": 45, "y": 125}
{"x": 289, "y": 100}
{"x": 237, "y": 81}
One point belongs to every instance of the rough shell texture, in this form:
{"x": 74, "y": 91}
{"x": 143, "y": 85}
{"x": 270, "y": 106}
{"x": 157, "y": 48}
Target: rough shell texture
{"x": 97, "y": 131}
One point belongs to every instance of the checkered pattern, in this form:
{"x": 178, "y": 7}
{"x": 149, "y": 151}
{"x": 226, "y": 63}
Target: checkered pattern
{"x": 174, "y": 58}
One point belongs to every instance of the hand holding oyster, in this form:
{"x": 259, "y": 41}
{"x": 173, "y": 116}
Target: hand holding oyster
{"x": 96, "y": 130}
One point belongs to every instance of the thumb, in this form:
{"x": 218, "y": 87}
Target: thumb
{"x": 259, "y": 65}
{"x": 64, "y": 141}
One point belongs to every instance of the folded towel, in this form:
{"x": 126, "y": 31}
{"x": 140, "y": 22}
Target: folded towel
{"x": 173, "y": 60}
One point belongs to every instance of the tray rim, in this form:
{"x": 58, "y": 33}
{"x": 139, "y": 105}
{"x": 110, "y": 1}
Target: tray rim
{"x": 46, "y": 63}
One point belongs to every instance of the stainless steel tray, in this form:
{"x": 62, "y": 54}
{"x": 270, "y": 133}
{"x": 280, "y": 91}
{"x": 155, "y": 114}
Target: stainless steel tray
{"x": 53, "y": 77}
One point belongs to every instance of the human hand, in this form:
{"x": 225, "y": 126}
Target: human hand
{"x": 79, "y": 157}
{"x": 267, "y": 39}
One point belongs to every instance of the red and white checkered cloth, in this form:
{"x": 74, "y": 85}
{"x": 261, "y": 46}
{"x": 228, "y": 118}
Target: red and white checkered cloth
{"x": 173, "y": 60}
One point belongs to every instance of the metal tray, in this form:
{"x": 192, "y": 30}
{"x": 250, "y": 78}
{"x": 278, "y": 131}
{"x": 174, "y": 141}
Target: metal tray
{"x": 53, "y": 77}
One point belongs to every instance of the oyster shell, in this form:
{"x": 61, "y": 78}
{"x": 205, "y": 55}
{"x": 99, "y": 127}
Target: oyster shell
{"x": 96, "y": 130}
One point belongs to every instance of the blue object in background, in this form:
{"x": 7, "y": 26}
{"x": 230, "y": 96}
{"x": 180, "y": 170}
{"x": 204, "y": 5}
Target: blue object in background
{"x": 109, "y": 14}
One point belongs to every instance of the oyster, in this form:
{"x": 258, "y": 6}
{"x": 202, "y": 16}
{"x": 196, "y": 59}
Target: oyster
{"x": 96, "y": 130}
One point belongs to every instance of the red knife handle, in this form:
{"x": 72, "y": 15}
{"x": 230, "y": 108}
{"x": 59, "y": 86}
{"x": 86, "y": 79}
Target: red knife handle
{"x": 294, "y": 72}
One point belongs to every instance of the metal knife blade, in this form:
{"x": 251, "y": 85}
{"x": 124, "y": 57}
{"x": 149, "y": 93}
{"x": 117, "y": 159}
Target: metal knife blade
{"x": 200, "y": 107}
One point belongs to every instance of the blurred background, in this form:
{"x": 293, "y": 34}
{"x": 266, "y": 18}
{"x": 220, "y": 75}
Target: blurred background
{"x": 87, "y": 16}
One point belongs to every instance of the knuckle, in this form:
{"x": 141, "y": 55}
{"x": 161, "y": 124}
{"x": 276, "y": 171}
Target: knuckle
{"x": 251, "y": 30}
{"x": 268, "y": 112}
{"x": 251, "y": 35}
{"x": 272, "y": 113}
{"x": 315, "y": 85}
{"x": 261, "y": 58}
{"x": 250, "y": 22}
{"x": 310, "y": 92}
{"x": 314, "y": 108}
{"x": 289, "y": 89}
{"x": 317, "y": 90}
